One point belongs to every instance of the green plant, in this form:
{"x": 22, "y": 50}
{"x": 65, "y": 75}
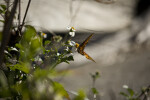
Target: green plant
{"x": 28, "y": 65}
{"x": 94, "y": 91}
{"x": 132, "y": 95}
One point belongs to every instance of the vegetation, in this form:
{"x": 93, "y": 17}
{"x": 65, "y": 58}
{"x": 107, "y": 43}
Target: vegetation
{"x": 28, "y": 61}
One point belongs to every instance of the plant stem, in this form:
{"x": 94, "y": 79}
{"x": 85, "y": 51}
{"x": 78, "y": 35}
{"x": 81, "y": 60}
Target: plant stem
{"x": 25, "y": 15}
{"x": 6, "y": 31}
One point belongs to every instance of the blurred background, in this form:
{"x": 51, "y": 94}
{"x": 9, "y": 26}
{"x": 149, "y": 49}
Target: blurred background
{"x": 120, "y": 45}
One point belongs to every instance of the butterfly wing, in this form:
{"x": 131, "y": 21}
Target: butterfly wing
{"x": 81, "y": 47}
{"x": 88, "y": 57}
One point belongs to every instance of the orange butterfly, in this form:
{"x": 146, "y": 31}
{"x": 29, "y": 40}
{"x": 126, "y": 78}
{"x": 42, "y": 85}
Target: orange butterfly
{"x": 80, "y": 48}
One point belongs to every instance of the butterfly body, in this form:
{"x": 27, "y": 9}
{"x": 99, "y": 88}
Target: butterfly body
{"x": 80, "y": 48}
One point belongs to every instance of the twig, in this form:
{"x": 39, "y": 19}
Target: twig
{"x": 6, "y": 31}
{"x": 146, "y": 90}
{"x": 19, "y": 14}
{"x": 25, "y": 16}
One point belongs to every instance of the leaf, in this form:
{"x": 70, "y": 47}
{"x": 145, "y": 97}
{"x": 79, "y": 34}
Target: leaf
{"x": 47, "y": 42}
{"x": 1, "y": 11}
{"x": 58, "y": 88}
{"x": 21, "y": 50}
{"x": 131, "y": 92}
{"x": 66, "y": 59}
{"x": 94, "y": 90}
{"x": 29, "y": 33}
{"x": 21, "y": 66}
{"x": 30, "y": 43}
{"x": 3, "y": 7}
{"x": 81, "y": 95}
{"x": 19, "y": 46}
{"x": 3, "y": 79}
{"x": 97, "y": 74}
{"x": 124, "y": 94}
{"x": 38, "y": 73}
{"x": 35, "y": 45}
{"x": 2, "y": 21}
{"x": 57, "y": 38}
{"x": 70, "y": 58}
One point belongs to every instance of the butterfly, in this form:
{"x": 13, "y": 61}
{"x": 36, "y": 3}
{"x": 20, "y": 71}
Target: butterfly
{"x": 80, "y": 47}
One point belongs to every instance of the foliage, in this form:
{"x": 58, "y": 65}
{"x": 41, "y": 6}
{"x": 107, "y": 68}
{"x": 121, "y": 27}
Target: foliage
{"x": 31, "y": 63}
{"x": 94, "y": 91}
{"x": 81, "y": 95}
{"x": 132, "y": 95}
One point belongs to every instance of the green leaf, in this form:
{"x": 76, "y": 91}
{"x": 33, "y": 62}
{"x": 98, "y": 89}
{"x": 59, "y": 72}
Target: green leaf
{"x": 19, "y": 46}
{"x": 131, "y": 92}
{"x": 1, "y": 11}
{"x": 70, "y": 58}
{"x": 3, "y": 79}
{"x": 29, "y": 33}
{"x": 81, "y": 95}
{"x": 39, "y": 73}
{"x": 57, "y": 38}
{"x": 21, "y": 66}
{"x": 3, "y": 7}
{"x": 97, "y": 75}
{"x": 2, "y": 21}
{"x": 124, "y": 94}
{"x": 58, "y": 88}
{"x": 65, "y": 59}
{"x": 47, "y": 42}
{"x": 21, "y": 51}
{"x": 35, "y": 45}
{"x": 94, "y": 90}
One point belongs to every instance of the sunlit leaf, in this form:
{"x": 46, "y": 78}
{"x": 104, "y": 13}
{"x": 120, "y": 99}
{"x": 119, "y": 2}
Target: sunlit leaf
{"x": 60, "y": 89}
{"x": 19, "y": 46}
{"x": 29, "y": 33}
{"x": 35, "y": 45}
{"x": 21, "y": 66}
{"x": 39, "y": 73}
{"x": 81, "y": 95}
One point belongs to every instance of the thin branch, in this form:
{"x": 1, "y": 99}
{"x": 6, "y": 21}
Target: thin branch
{"x": 19, "y": 14}
{"x": 143, "y": 93}
{"x": 23, "y": 22}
